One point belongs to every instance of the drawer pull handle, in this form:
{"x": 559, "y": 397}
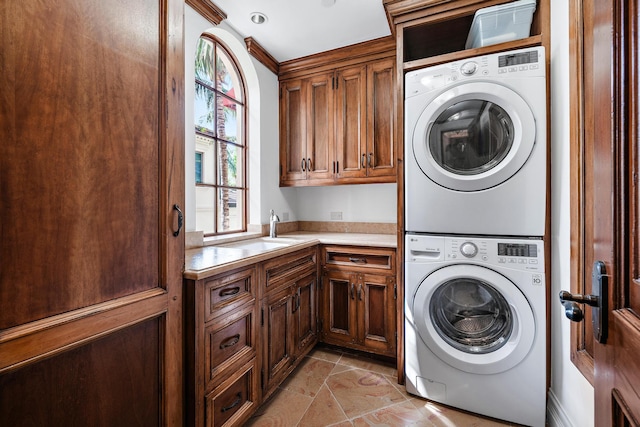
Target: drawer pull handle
{"x": 230, "y": 342}
{"x": 358, "y": 260}
{"x": 352, "y": 287}
{"x": 234, "y": 404}
{"x": 360, "y": 292}
{"x": 229, "y": 291}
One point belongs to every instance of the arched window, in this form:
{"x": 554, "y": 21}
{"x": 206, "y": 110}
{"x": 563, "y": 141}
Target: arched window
{"x": 221, "y": 149}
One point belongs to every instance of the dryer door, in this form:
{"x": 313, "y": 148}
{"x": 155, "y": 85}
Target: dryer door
{"x": 474, "y": 319}
{"x": 474, "y": 136}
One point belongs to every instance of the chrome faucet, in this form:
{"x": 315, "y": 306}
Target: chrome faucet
{"x": 272, "y": 224}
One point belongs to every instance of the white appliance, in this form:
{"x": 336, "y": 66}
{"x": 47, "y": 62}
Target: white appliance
{"x": 475, "y": 146}
{"x": 475, "y": 324}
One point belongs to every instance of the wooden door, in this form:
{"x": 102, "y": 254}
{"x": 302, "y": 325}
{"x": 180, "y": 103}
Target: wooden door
{"x": 339, "y": 307}
{"x": 380, "y": 146}
{"x": 376, "y": 313}
{"x": 306, "y": 313}
{"x": 91, "y": 166}
{"x": 278, "y": 337}
{"x": 611, "y": 203}
{"x": 293, "y": 131}
{"x": 320, "y": 129}
{"x": 351, "y": 122}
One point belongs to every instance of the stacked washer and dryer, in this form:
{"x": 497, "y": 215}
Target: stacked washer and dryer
{"x": 475, "y": 213}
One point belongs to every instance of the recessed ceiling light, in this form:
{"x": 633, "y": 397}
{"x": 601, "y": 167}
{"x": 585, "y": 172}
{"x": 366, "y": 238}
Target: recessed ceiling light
{"x": 258, "y": 18}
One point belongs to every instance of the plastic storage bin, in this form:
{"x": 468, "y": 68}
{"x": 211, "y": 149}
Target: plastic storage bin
{"x": 501, "y": 23}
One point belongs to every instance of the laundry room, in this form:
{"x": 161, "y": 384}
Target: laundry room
{"x": 320, "y": 213}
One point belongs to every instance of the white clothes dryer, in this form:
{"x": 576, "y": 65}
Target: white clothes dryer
{"x": 475, "y": 324}
{"x": 475, "y": 146}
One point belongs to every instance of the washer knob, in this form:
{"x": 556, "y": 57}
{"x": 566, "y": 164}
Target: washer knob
{"x": 468, "y": 68}
{"x": 469, "y": 249}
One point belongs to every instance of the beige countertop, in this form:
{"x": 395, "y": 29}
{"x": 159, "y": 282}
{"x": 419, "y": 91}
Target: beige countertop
{"x": 205, "y": 261}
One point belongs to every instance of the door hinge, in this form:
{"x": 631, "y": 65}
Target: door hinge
{"x": 395, "y": 291}
{"x": 262, "y": 317}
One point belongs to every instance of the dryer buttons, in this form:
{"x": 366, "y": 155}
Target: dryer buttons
{"x": 469, "y": 249}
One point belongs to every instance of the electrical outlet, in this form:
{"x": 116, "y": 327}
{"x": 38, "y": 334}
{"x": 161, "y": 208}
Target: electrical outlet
{"x": 285, "y": 216}
{"x": 336, "y": 216}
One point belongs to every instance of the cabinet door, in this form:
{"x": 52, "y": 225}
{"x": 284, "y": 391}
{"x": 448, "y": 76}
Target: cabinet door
{"x": 351, "y": 121}
{"x": 376, "y": 313}
{"x": 293, "y": 133}
{"x": 306, "y": 315}
{"x": 380, "y": 146}
{"x": 320, "y": 127}
{"x": 278, "y": 336}
{"x": 339, "y": 308}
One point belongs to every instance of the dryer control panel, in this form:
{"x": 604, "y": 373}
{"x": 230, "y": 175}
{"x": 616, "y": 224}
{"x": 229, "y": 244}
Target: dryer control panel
{"x": 519, "y": 254}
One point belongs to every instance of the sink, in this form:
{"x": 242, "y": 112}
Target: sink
{"x": 257, "y": 245}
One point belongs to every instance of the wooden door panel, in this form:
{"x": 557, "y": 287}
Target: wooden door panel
{"x": 102, "y": 383}
{"x": 91, "y": 166}
{"x": 339, "y": 308}
{"x": 292, "y": 130}
{"x": 72, "y": 211}
{"x": 380, "y": 119}
{"x": 278, "y": 337}
{"x": 377, "y": 313}
{"x": 306, "y": 313}
{"x": 610, "y": 177}
{"x": 320, "y": 131}
{"x": 351, "y": 105}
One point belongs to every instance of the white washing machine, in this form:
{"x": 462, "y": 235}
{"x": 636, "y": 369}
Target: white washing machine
{"x": 475, "y": 325}
{"x": 475, "y": 146}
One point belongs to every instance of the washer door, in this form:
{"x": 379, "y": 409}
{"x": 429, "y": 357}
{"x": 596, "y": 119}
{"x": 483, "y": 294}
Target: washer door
{"x": 474, "y": 319}
{"x": 474, "y": 136}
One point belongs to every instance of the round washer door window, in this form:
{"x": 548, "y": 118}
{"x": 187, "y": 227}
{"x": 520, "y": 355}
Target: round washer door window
{"x": 474, "y": 319}
{"x": 474, "y": 136}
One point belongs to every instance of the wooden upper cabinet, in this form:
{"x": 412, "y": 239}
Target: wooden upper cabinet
{"x": 351, "y": 121}
{"x": 320, "y": 119}
{"x": 380, "y": 152}
{"x": 293, "y": 129}
{"x": 337, "y": 122}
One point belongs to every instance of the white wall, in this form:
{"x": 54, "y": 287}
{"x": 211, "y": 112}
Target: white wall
{"x": 570, "y": 391}
{"x": 358, "y": 203}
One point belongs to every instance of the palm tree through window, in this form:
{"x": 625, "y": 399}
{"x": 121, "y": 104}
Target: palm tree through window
{"x": 221, "y": 153}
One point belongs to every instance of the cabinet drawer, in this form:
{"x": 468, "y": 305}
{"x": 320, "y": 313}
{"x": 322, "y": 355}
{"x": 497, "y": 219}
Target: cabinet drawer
{"x": 229, "y": 342}
{"x": 233, "y": 401}
{"x": 225, "y": 292}
{"x": 282, "y": 270}
{"x": 359, "y": 258}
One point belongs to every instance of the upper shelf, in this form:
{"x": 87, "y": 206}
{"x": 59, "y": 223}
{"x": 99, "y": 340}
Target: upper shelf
{"x": 436, "y": 31}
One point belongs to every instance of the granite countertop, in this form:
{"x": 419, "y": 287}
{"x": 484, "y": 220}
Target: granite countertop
{"x": 205, "y": 261}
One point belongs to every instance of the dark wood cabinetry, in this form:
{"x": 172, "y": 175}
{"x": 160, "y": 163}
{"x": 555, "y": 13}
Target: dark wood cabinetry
{"x": 336, "y": 122}
{"x": 289, "y": 314}
{"x": 222, "y": 363}
{"x": 359, "y": 298}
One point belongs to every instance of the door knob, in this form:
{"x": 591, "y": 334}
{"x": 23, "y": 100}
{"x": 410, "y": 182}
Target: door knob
{"x": 598, "y": 301}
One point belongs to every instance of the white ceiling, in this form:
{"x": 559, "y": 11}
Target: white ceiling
{"x": 297, "y": 28}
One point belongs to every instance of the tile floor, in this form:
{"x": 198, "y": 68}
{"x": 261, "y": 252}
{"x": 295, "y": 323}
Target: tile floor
{"x": 336, "y": 388}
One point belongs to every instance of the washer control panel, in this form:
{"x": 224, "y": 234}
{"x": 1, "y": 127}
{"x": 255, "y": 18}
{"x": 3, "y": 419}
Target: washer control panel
{"x": 521, "y": 254}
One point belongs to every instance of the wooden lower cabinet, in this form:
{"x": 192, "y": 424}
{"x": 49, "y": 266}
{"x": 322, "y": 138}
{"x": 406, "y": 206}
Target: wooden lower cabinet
{"x": 221, "y": 358}
{"x": 289, "y": 313}
{"x": 359, "y": 299}
{"x": 248, "y": 328}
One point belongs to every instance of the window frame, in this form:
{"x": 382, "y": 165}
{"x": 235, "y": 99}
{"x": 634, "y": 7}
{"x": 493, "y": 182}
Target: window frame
{"x": 241, "y": 143}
